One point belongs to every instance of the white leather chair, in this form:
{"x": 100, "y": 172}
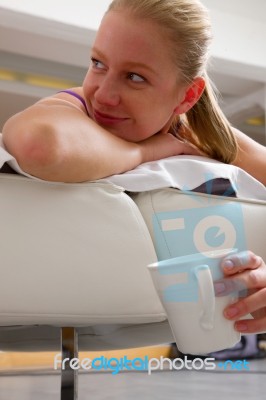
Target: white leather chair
{"x": 74, "y": 259}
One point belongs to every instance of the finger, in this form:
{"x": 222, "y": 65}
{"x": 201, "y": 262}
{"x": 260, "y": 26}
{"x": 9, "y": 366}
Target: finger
{"x": 251, "y": 325}
{"x": 241, "y": 283}
{"x": 240, "y": 261}
{"x": 228, "y": 286}
{"x": 247, "y": 305}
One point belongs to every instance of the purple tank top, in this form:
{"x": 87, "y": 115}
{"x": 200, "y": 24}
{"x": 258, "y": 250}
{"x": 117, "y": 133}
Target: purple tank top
{"x": 77, "y": 97}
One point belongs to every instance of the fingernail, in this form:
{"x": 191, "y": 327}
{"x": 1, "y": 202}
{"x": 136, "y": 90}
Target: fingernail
{"x": 228, "y": 264}
{"x": 239, "y": 259}
{"x": 219, "y": 287}
{"x": 231, "y": 312}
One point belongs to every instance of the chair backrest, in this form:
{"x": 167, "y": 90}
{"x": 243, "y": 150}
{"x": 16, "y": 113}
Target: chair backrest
{"x": 76, "y": 254}
{"x": 73, "y": 254}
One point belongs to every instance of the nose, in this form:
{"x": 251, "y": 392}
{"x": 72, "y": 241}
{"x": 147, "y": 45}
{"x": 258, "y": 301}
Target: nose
{"x": 107, "y": 92}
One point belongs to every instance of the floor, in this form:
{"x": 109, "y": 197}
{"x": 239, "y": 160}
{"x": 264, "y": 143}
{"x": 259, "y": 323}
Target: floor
{"x": 218, "y": 384}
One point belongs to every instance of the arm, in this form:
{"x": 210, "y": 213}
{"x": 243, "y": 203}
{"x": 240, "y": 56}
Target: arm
{"x": 56, "y": 141}
{"x": 251, "y": 156}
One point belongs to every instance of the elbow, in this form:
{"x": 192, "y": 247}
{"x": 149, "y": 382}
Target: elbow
{"x": 38, "y": 150}
{"x": 34, "y": 149}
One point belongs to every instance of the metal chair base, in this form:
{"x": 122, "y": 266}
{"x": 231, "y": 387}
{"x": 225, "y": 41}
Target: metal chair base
{"x": 69, "y": 376}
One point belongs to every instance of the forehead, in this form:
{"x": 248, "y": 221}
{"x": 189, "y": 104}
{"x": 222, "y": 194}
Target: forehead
{"x": 133, "y": 39}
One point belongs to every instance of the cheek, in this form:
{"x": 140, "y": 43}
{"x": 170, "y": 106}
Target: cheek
{"x": 159, "y": 111}
{"x": 88, "y": 86}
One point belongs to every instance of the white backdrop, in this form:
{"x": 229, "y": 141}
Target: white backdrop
{"x": 82, "y": 13}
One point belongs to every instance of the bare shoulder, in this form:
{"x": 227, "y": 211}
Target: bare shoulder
{"x": 251, "y": 156}
{"x": 66, "y": 98}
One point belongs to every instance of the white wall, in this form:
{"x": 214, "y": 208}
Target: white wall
{"x": 240, "y": 33}
{"x": 82, "y": 13}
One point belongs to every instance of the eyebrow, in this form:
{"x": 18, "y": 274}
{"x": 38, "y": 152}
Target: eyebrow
{"x": 129, "y": 64}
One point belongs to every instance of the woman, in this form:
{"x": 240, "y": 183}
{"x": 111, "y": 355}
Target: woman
{"x": 146, "y": 96}
{"x": 42, "y": 139}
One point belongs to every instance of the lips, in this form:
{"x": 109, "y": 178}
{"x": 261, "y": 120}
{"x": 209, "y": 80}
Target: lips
{"x": 107, "y": 119}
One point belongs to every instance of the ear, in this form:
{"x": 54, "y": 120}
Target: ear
{"x": 192, "y": 95}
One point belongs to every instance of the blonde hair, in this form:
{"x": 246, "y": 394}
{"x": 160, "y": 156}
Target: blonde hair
{"x": 187, "y": 24}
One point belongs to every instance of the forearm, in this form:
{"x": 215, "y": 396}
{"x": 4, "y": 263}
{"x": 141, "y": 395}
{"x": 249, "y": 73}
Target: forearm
{"x": 251, "y": 157}
{"x": 70, "y": 148}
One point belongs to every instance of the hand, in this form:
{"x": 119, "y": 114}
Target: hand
{"x": 245, "y": 271}
{"x": 163, "y": 145}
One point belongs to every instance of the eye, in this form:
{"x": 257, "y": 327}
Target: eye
{"x": 97, "y": 64}
{"x": 136, "y": 78}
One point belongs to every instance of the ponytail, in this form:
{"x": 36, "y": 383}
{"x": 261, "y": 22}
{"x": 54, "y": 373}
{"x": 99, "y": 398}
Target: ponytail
{"x": 212, "y": 132}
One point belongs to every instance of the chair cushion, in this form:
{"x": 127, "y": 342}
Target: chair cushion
{"x": 73, "y": 254}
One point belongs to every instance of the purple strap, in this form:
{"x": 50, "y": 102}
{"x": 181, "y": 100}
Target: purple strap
{"x": 77, "y": 97}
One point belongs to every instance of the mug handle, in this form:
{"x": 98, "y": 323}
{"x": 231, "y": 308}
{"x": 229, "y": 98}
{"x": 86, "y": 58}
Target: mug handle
{"x": 206, "y": 289}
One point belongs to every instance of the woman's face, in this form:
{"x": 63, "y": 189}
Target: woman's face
{"x": 131, "y": 87}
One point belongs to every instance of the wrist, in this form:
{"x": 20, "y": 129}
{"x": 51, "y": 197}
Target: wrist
{"x": 146, "y": 151}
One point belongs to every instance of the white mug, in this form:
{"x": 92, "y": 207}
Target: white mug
{"x": 185, "y": 287}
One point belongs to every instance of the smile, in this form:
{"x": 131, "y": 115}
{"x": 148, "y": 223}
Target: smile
{"x": 107, "y": 119}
